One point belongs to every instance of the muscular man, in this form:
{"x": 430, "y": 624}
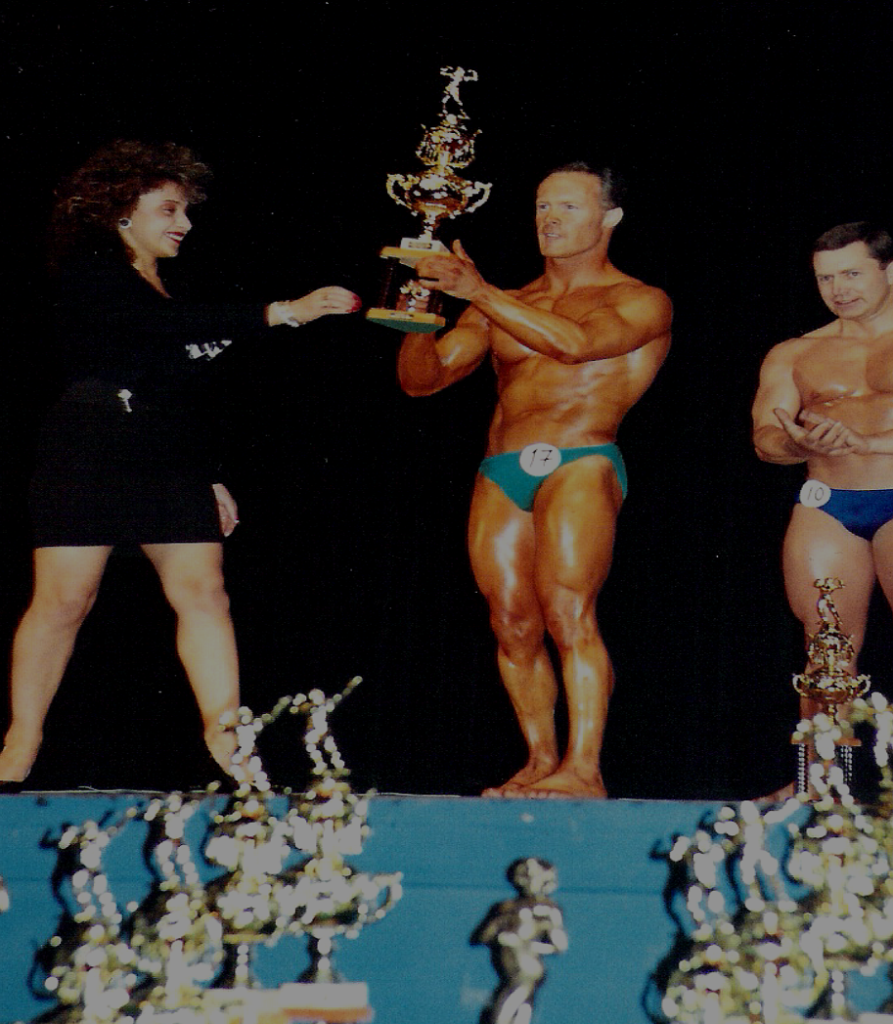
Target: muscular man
{"x": 826, "y": 399}
{"x": 573, "y": 351}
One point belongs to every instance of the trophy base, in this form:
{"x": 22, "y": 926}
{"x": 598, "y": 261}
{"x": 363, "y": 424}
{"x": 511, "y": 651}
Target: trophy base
{"x": 844, "y": 741}
{"x": 332, "y": 1002}
{"x": 298, "y": 1002}
{"x": 405, "y": 304}
{"x": 404, "y": 320}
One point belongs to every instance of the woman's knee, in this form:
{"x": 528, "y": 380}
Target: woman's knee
{"x": 204, "y": 592}
{"x": 62, "y": 607}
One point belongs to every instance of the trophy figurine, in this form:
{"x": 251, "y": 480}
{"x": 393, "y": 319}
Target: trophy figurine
{"x": 323, "y": 898}
{"x": 520, "y": 932}
{"x": 435, "y": 194}
{"x": 175, "y": 932}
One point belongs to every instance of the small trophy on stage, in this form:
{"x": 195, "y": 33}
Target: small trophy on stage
{"x": 436, "y": 194}
{"x": 323, "y": 897}
{"x": 828, "y": 681}
{"x": 520, "y": 932}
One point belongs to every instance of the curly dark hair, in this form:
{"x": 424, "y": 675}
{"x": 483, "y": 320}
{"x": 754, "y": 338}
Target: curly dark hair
{"x": 91, "y": 201}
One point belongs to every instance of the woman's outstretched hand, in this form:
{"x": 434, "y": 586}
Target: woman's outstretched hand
{"x": 323, "y": 302}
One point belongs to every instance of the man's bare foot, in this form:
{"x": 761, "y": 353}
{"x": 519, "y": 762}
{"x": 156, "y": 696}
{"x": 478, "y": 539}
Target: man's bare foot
{"x": 568, "y": 784}
{"x": 521, "y": 781}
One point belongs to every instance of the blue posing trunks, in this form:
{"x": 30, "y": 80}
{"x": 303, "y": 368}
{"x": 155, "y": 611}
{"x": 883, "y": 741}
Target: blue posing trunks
{"x": 861, "y": 512}
{"x": 520, "y": 474}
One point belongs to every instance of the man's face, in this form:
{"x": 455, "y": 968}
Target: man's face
{"x": 569, "y": 214}
{"x": 853, "y": 285}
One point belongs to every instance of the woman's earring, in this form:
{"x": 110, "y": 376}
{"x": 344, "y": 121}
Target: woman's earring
{"x": 124, "y": 222}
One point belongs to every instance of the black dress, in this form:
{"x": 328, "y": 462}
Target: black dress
{"x": 123, "y": 456}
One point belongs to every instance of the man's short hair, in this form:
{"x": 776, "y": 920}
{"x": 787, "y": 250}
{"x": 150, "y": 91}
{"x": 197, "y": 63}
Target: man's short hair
{"x": 879, "y": 242}
{"x": 613, "y": 186}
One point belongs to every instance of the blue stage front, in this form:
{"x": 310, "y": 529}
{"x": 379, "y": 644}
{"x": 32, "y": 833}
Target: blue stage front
{"x": 418, "y": 961}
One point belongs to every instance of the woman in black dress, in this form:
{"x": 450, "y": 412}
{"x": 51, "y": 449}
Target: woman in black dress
{"x": 121, "y": 459}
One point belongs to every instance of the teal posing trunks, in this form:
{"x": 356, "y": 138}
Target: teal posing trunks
{"x": 508, "y": 473}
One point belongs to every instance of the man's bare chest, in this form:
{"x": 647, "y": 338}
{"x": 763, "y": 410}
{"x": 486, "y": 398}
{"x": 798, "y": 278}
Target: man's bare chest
{"x": 574, "y": 307}
{"x": 839, "y": 369}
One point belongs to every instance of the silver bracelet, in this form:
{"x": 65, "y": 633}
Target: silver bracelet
{"x": 286, "y": 317}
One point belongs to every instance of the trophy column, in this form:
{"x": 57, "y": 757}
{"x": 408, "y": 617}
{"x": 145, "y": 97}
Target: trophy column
{"x": 404, "y": 302}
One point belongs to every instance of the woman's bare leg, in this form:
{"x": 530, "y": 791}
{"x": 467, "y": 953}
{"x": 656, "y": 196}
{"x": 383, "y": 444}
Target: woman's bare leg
{"x": 66, "y": 581}
{"x": 192, "y": 578}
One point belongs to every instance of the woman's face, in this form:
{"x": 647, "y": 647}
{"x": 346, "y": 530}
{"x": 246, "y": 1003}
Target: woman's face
{"x": 158, "y": 224}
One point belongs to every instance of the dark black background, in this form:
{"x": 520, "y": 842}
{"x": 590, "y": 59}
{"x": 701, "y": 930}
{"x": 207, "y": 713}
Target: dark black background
{"x": 744, "y": 130}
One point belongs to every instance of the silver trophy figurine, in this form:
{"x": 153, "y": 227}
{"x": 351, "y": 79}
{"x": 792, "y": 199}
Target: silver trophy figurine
{"x": 520, "y": 932}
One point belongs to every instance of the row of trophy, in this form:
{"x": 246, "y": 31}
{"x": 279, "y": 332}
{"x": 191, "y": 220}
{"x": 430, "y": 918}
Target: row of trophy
{"x": 185, "y": 953}
{"x": 780, "y": 907}
{"x": 784, "y": 904}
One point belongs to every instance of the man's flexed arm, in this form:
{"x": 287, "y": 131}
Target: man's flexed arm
{"x": 777, "y": 390}
{"x": 785, "y": 433}
{"x": 640, "y": 315}
{"x": 428, "y": 363}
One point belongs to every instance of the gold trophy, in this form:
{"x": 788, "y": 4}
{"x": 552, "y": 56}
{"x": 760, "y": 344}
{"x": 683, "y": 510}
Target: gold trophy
{"x": 829, "y": 681}
{"x": 435, "y": 195}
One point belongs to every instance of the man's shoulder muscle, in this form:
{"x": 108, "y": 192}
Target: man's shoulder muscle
{"x": 643, "y": 295}
{"x": 644, "y": 308}
{"x": 791, "y": 349}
